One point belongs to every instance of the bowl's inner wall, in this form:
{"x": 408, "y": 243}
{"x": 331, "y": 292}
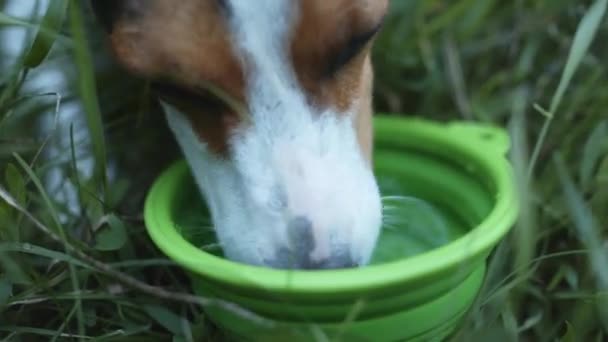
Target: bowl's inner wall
{"x": 429, "y": 200}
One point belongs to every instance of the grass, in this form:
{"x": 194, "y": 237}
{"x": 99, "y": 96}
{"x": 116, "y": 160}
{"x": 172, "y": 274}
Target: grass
{"x": 86, "y": 134}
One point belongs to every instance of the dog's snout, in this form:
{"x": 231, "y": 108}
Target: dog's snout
{"x": 286, "y": 259}
{"x": 302, "y": 244}
{"x": 301, "y": 239}
{"x": 337, "y": 260}
{"x": 300, "y": 227}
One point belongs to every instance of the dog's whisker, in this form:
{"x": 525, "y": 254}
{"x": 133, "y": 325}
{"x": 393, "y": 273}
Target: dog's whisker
{"x": 211, "y": 247}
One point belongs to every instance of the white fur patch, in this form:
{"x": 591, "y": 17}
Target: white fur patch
{"x": 293, "y": 161}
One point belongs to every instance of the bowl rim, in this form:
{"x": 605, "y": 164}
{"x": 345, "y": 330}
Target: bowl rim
{"x": 463, "y": 136}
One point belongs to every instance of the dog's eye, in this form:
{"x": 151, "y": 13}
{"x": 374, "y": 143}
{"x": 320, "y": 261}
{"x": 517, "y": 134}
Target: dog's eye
{"x": 187, "y": 96}
{"x": 349, "y": 51}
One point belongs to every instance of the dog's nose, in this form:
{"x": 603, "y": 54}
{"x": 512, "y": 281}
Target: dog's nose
{"x": 301, "y": 239}
{"x": 302, "y": 243}
{"x": 286, "y": 259}
{"x": 340, "y": 260}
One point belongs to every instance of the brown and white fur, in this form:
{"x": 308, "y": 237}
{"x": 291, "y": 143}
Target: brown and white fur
{"x": 288, "y": 180}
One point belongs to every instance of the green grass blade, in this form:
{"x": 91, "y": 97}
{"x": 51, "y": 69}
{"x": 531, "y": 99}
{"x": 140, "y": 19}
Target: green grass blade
{"x": 69, "y": 297}
{"x": 595, "y": 147}
{"x": 47, "y": 201}
{"x": 112, "y": 235}
{"x": 140, "y": 263}
{"x": 589, "y": 234}
{"x": 42, "y": 252}
{"x": 449, "y": 16}
{"x": 41, "y": 332}
{"x": 88, "y": 94}
{"x": 44, "y": 41}
{"x": 525, "y": 233}
{"x": 14, "y": 271}
{"x": 570, "y": 335}
{"x": 6, "y": 291}
{"x": 62, "y": 234}
{"x": 165, "y": 318}
{"x": 584, "y": 222}
{"x": 7, "y": 20}
{"x": 582, "y": 41}
{"x": 64, "y": 324}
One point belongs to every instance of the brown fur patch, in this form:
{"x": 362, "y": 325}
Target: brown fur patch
{"x": 324, "y": 29}
{"x": 188, "y": 43}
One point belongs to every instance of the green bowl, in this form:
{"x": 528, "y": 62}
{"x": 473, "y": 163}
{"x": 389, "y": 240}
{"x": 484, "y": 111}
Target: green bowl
{"x": 412, "y": 290}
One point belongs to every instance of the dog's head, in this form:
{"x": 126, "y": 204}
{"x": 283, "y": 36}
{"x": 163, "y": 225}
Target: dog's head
{"x": 270, "y": 102}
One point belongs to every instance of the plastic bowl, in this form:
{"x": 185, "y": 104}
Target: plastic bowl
{"x": 460, "y": 168}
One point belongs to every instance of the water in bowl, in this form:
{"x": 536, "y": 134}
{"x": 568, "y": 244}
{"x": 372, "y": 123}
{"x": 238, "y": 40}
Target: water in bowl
{"x": 411, "y": 225}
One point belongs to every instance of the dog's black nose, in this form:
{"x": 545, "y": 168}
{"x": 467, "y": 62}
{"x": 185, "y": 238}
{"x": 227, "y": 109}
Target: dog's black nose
{"x": 337, "y": 260}
{"x": 302, "y": 243}
{"x": 302, "y": 240}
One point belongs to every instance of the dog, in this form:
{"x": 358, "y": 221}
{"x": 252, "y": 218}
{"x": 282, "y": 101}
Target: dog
{"x": 270, "y": 102}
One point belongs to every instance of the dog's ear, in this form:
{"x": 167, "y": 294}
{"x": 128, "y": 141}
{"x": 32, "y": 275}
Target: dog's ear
{"x": 108, "y": 12}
